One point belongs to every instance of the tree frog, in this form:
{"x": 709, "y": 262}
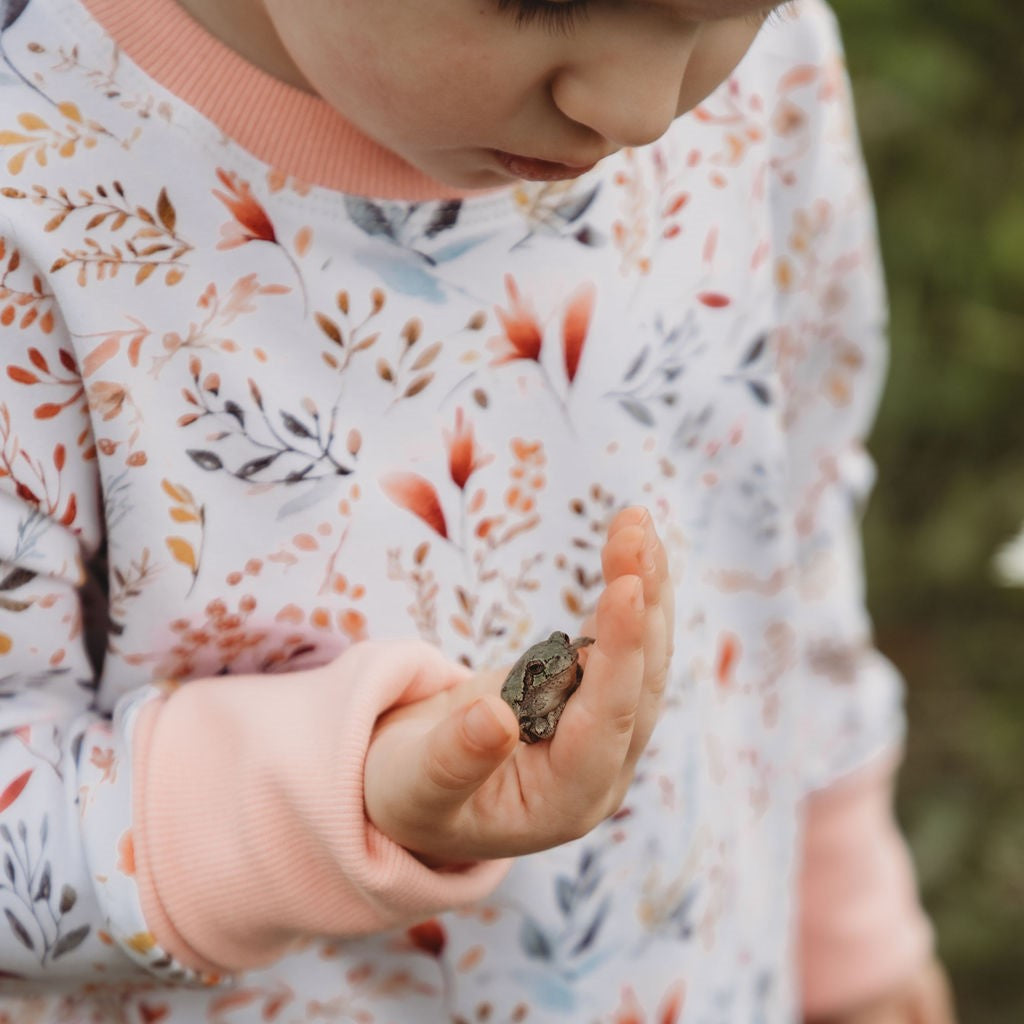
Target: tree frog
{"x": 541, "y": 682}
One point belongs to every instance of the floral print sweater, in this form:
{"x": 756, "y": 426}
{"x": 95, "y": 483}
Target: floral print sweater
{"x": 267, "y": 394}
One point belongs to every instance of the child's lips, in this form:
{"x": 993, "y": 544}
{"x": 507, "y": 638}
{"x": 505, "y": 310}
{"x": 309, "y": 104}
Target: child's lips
{"x": 531, "y": 169}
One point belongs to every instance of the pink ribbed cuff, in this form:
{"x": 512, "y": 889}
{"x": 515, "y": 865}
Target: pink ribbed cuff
{"x": 862, "y": 930}
{"x": 250, "y": 831}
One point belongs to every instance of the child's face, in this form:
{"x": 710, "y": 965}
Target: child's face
{"x": 462, "y": 88}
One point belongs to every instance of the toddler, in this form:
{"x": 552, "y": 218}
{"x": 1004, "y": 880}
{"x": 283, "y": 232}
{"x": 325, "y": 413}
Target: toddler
{"x": 349, "y": 349}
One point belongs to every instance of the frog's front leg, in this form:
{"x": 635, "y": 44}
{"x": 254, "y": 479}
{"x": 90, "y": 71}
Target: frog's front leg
{"x": 542, "y": 727}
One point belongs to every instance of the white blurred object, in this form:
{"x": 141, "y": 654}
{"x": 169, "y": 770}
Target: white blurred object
{"x": 1009, "y": 562}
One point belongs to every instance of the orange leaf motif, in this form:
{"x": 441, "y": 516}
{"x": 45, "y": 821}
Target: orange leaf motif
{"x": 126, "y": 853}
{"x": 104, "y": 351}
{"x": 575, "y": 327}
{"x": 16, "y": 373}
{"x": 727, "y": 655}
{"x": 183, "y": 552}
{"x": 418, "y": 496}
{"x": 13, "y": 790}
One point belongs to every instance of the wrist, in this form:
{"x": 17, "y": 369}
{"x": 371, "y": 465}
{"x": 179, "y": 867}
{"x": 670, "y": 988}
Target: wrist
{"x": 250, "y": 827}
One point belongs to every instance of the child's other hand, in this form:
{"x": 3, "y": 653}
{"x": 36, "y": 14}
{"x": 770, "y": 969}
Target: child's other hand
{"x": 447, "y": 777}
{"x": 926, "y": 999}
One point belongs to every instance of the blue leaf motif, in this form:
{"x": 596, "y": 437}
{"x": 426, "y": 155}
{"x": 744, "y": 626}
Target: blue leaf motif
{"x": 534, "y": 942}
{"x": 10, "y": 12}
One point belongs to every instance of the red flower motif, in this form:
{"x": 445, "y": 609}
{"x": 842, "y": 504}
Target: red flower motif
{"x": 252, "y": 223}
{"x": 631, "y": 1012}
{"x": 428, "y": 936}
{"x": 464, "y": 457}
{"x": 575, "y": 327}
{"x": 418, "y": 496}
{"x": 523, "y": 332}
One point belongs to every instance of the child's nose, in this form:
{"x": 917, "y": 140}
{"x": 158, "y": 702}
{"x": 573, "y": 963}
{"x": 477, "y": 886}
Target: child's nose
{"x": 629, "y": 100}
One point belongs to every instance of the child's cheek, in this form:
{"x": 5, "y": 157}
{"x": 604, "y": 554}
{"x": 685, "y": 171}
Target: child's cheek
{"x": 721, "y": 47}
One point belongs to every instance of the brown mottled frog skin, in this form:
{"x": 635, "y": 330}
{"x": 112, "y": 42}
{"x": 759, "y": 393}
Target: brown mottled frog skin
{"x": 541, "y": 682}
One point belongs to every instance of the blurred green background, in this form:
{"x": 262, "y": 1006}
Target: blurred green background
{"x": 940, "y": 92}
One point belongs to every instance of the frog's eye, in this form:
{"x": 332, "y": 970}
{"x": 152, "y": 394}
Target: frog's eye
{"x": 564, "y": 637}
{"x": 535, "y": 668}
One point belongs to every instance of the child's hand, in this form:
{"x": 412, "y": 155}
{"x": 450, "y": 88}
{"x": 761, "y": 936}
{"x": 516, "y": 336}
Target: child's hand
{"x": 447, "y": 777}
{"x": 925, "y": 1000}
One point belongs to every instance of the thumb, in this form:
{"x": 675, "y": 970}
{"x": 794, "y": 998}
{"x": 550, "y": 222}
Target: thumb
{"x": 462, "y": 751}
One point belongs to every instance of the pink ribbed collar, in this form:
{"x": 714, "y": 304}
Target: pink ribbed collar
{"x": 292, "y": 131}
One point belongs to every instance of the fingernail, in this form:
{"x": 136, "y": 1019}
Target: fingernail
{"x": 482, "y": 725}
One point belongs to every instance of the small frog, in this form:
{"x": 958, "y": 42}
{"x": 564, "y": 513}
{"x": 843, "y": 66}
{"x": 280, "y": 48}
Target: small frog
{"x": 541, "y": 682}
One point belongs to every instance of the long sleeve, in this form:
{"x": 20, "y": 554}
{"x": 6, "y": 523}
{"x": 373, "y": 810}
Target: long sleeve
{"x": 861, "y": 927}
{"x": 64, "y": 782}
{"x": 87, "y": 817}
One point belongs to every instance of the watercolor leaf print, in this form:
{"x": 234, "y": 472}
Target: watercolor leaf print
{"x": 556, "y": 208}
{"x": 630, "y": 1010}
{"x": 464, "y": 454}
{"x": 575, "y": 325}
{"x": 652, "y": 203}
{"x": 284, "y": 447}
{"x": 346, "y": 336}
{"x": 13, "y": 581}
{"x": 251, "y": 222}
{"x": 417, "y": 495}
{"x": 218, "y": 313}
{"x": 480, "y": 528}
{"x": 185, "y": 510}
{"x": 39, "y": 922}
{"x": 14, "y": 789}
{"x": 149, "y": 240}
{"x": 10, "y": 12}
{"x": 421, "y": 376}
{"x": 37, "y": 303}
{"x": 524, "y": 334}
{"x": 748, "y": 366}
{"x": 583, "y": 910}
{"x": 650, "y": 381}
{"x": 223, "y": 639}
{"x": 37, "y": 138}
{"x": 595, "y": 512}
{"x": 410, "y": 241}
{"x": 403, "y": 223}
{"x": 32, "y": 479}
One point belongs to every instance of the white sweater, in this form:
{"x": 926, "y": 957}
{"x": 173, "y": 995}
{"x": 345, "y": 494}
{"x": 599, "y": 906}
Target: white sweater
{"x": 270, "y": 418}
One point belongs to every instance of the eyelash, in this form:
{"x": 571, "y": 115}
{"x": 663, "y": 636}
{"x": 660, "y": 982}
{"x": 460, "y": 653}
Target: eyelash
{"x": 563, "y": 17}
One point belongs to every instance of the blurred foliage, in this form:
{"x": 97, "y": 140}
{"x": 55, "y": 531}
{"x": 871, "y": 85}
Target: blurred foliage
{"x": 940, "y": 91}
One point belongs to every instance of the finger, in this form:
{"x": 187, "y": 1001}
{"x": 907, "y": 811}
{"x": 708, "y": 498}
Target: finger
{"x": 633, "y": 515}
{"x": 594, "y": 734}
{"x": 636, "y": 549}
{"x": 461, "y": 752}
{"x": 624, "y": 534}
{"x": 659, "y": 617}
